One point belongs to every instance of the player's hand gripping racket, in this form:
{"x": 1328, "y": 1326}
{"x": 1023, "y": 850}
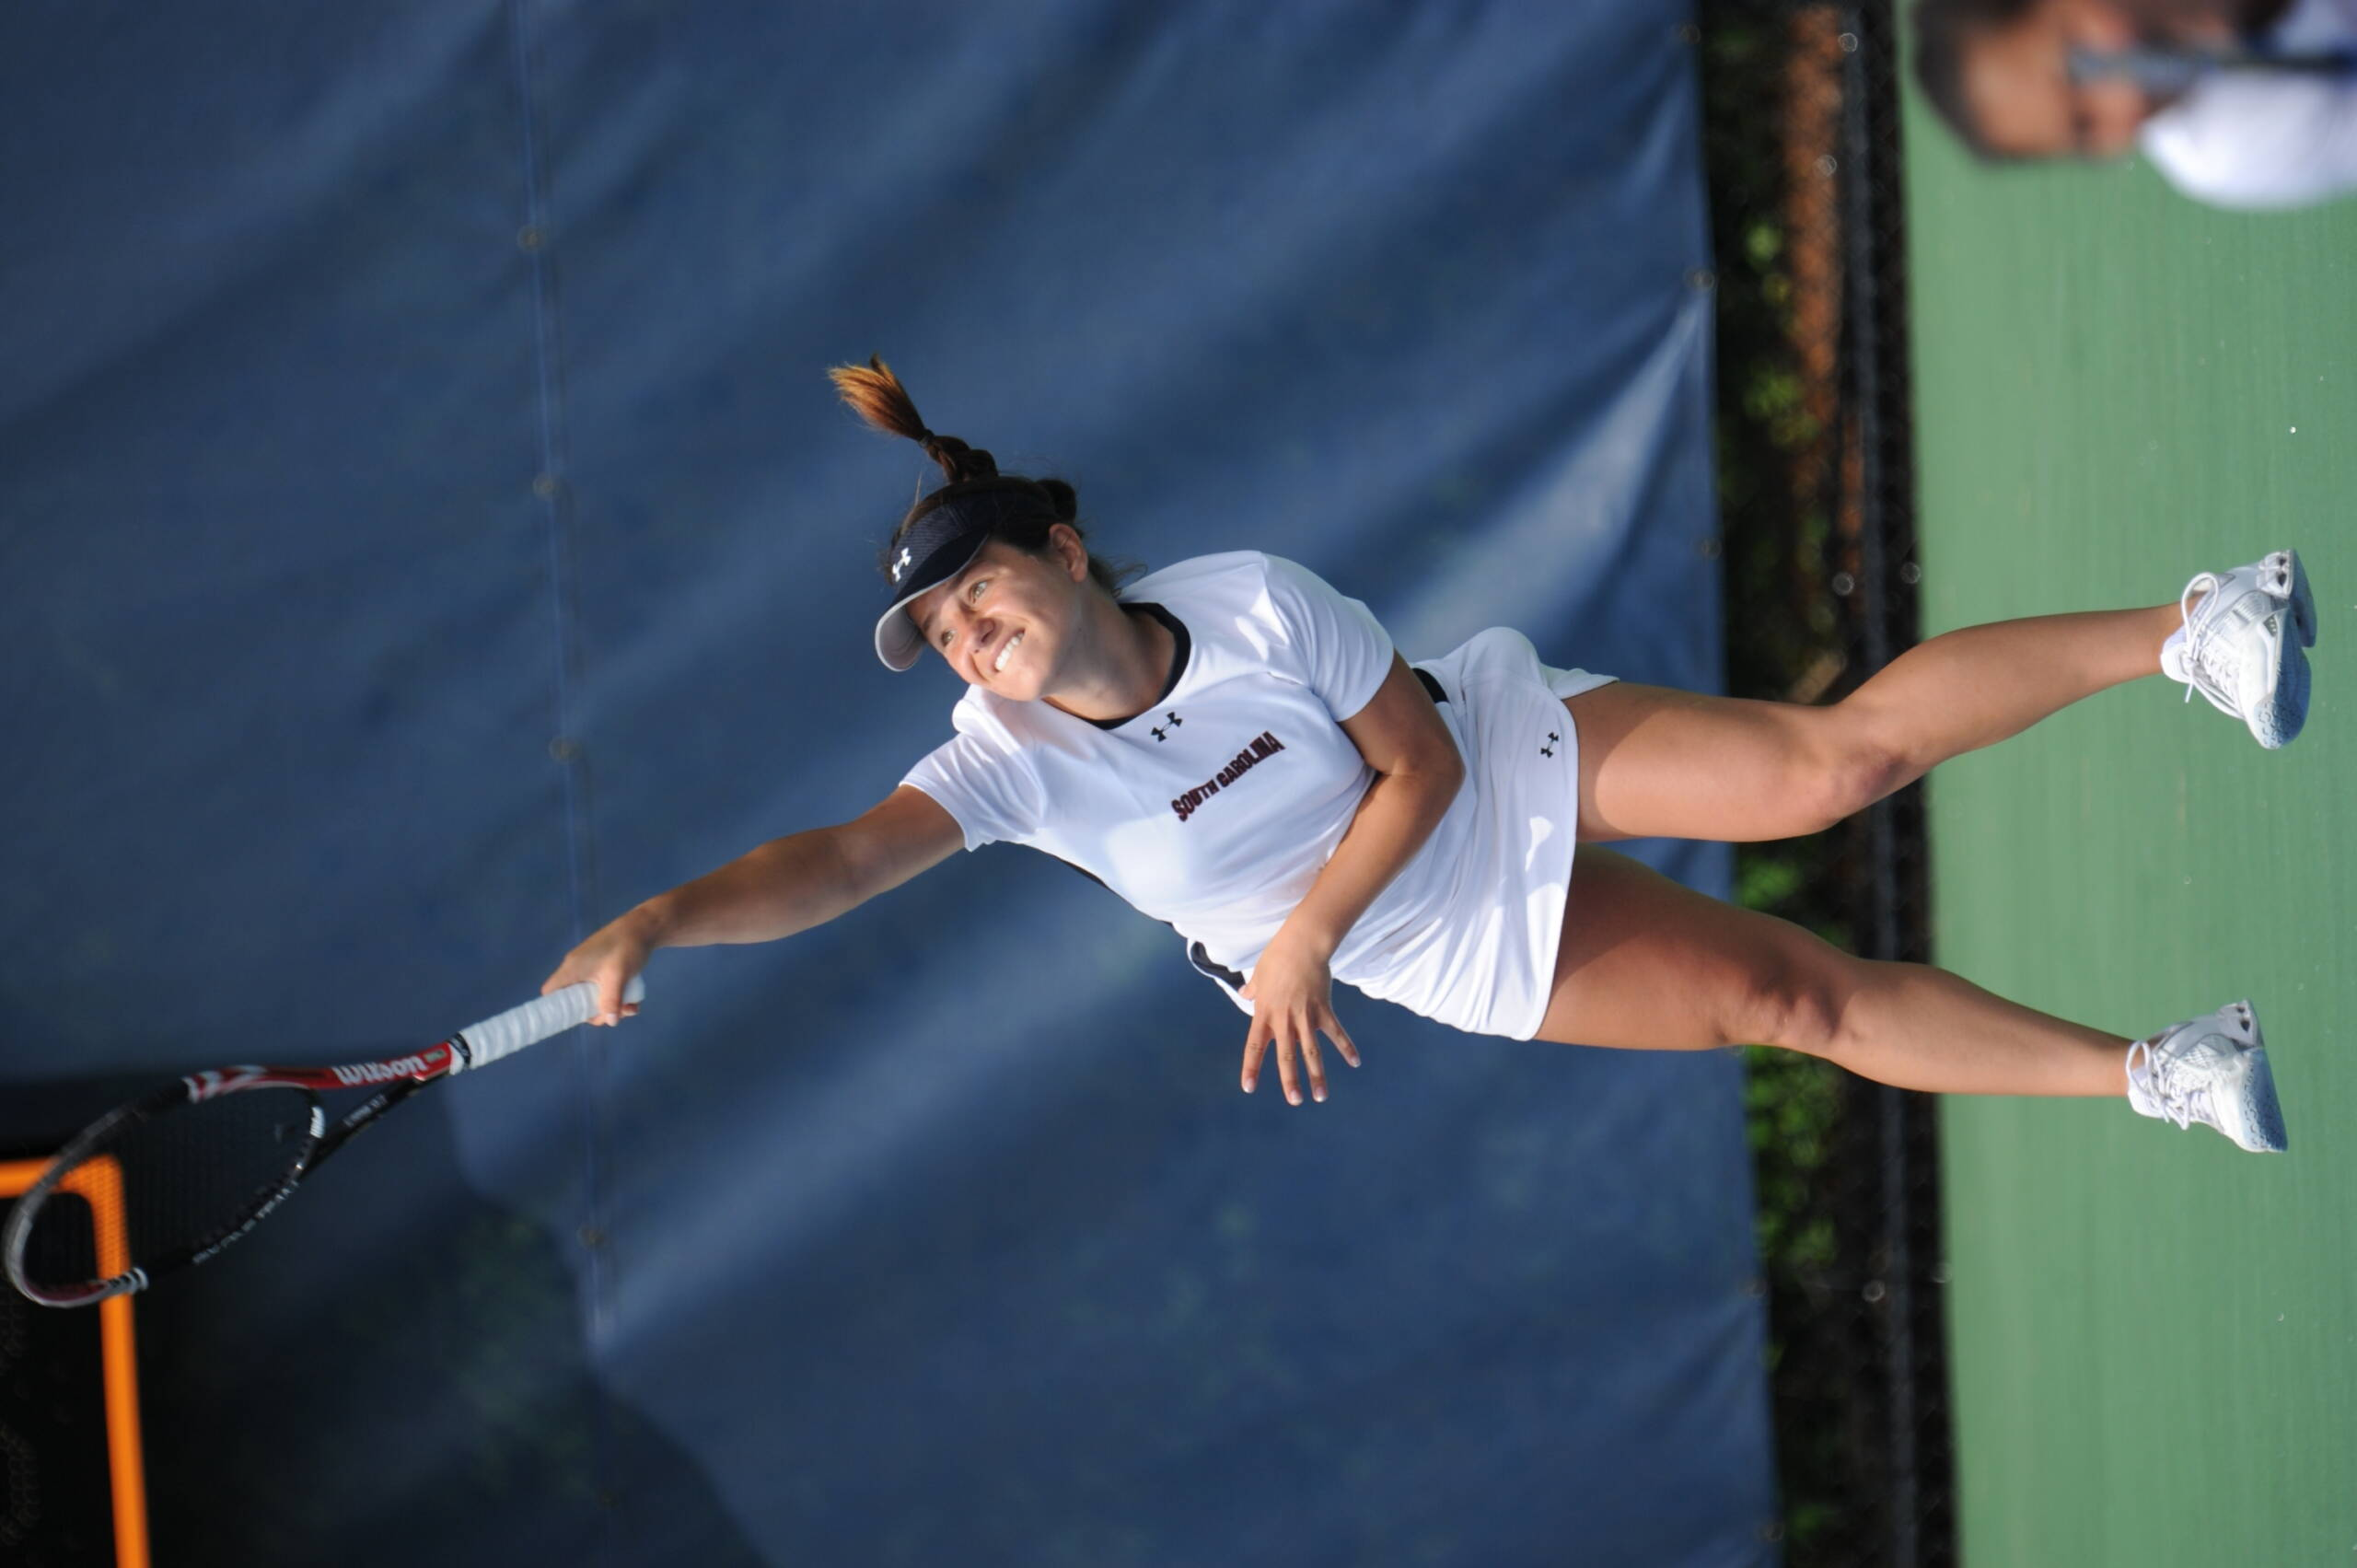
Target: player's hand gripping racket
{"x": 196, "y": 1165}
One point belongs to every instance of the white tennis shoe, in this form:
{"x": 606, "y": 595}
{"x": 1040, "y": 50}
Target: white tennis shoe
{"x": 2211, "y": 1069}
{"x": 2242, "y": 645}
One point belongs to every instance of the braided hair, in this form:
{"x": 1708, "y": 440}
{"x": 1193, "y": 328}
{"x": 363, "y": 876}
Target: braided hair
{"x": 1025, "y": 508}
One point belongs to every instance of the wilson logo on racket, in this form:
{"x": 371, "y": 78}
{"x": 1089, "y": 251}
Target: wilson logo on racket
{"x": 386, "y": 1072}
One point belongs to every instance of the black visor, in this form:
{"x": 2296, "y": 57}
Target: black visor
{"x": 938, "y": 547}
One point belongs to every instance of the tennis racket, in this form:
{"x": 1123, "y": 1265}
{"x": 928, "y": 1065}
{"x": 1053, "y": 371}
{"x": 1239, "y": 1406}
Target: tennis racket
{"x": 169, "y": 1179}
{"x": 2164, "y": 70}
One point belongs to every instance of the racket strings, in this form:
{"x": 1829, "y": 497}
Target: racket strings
{"x": 164, "y": 1184}
{"x": 62, "y": 1246}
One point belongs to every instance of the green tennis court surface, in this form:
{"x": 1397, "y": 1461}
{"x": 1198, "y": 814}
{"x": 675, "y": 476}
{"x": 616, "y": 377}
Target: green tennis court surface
{"x": 2155, "y": 1334}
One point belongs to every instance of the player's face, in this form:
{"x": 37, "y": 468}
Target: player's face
{"x": 1004, "y": 621}
{"x": 2019, "y": 92}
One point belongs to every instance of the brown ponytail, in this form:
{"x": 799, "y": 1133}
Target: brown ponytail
{"x": 878, "y": 397}
{"x": 1025, "y": 508}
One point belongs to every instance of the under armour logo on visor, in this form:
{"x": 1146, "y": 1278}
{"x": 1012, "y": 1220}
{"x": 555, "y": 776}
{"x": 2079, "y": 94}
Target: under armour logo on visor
{"x": 900, "y": 566}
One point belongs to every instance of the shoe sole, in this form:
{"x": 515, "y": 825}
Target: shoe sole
{"x": 2263, "y": 1118}
{"x": 2286, "y": 713}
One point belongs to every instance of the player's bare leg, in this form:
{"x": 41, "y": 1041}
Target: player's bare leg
{"x": 1655, "y": 761}
{"x": 1649, "y": 964}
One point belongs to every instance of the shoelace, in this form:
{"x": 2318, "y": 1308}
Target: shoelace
{"x": 2214, "y": 614}
{"x": 2182, "y": 1103}
{"x": 2199, "y": 623}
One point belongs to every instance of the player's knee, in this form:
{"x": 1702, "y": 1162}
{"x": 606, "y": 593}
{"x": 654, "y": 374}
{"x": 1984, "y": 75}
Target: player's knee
{"x": 1791, "y": 1003}
{"x": 1848, "y": 771}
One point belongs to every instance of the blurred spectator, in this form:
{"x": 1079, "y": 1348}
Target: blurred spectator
{"x": 2240, "y": 104}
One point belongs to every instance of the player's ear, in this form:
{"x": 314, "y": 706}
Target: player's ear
{"x": 1071, "y": 554}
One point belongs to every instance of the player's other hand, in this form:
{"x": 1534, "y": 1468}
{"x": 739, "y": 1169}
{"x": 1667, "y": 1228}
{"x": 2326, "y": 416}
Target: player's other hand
{"x": 607, "y": 960}
{"x": 1292, "y": 992}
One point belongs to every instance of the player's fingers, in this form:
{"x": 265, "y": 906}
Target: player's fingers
{"x": 1256, "y": 1046}
{"x": 611, "y": 980}
{"x": 1310, "y": 1059}
{"x": 1287, "y": 1071}
{"x": 1341, "y": 1038}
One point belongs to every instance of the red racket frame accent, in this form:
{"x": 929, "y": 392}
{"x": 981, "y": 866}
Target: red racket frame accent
{"x": 419, "y": 1067}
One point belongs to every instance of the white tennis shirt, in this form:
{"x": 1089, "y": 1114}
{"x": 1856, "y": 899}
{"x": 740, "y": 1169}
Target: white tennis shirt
{"x": 1215, "y": 809}
{"x": 2258, "y": 139}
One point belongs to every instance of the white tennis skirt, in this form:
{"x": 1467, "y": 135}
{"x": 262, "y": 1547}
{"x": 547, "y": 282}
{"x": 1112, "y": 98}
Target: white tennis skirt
{"x": 1485, "y": 962}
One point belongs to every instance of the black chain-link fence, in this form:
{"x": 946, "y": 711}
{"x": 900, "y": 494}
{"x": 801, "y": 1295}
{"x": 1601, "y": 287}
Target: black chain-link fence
{"x": 1817, "y": 479}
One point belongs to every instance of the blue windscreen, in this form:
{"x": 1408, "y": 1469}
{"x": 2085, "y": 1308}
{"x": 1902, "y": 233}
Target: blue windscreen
{"x": 426, "y": 531}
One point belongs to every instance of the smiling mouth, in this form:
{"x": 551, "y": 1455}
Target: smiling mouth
{"x": 1005, "y": 652}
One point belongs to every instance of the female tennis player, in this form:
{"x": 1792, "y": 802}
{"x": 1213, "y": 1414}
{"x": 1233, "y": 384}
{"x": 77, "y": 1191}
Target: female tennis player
{"x": 1236, "y": 748}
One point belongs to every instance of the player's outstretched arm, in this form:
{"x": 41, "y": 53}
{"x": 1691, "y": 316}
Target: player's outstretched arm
{"x": 785, "y": 885}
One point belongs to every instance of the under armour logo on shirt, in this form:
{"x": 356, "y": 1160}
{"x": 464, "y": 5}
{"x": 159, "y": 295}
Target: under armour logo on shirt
{"x": 1173, "y": 720}
{"x": 899, "y": 566}
{"x": 1549, "y": 749}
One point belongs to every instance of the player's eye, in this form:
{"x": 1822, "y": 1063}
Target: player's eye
{"x": 974, "y": 591}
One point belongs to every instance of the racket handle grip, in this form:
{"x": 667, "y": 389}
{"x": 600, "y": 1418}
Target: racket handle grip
{"x": 509, "y": 1032}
